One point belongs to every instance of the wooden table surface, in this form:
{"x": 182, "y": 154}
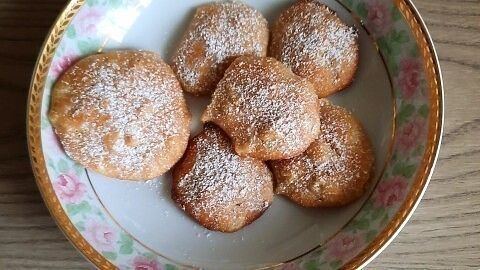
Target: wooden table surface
{"x": 444, "y": 232}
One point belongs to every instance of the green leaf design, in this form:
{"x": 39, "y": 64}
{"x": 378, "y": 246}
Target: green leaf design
{"x": 126, "y": 244}
{"x": 50, "y": 164}
{"x": 100, "y": 214}
{"x": 149, "y": 255}
{"x": 384, "y": 220}
{"x": 49, "y": 84}
{"x": 418, "y": 151}
{"x": 394, "y": 48}
{"x": 109, "y": 255}
{"x": 404, "y": 169}
{"x": 336, "y": 264}
{"x": 401, "y": 37}
{"x": 73, "y": 209}
{"x": 360, "y": 224}
{"x": 423, "y": 110}
{"x": 80, "y": 226}
{"x": 115, "y": 3}
{"x": 392, "y": 65}
{"x": 390, "y": 48}
{"x": 311, "y": 265}
{"x": 62, "y": 165}
{"x": 391, "y": 43}
{"x": 378, "y": 212}
{"x": 87, "y": 46}
{"x": 71, "y": 33}
{"x": 396, "y": 15}
{"x": 92, "y": 2}
{"x": 362, "y": 10}
{"x": 371, "y": 235}
{"x": 44, "y": 123}
{"x": 383, "y": 44}
{"x": 126, "y": 249}
{"x": 170, "y": 267}
{"x": 124, "y": 238}
{"x": 406, "y": 110}
{"x": 414, "y": 51}
{"x": 78, "y": 169}
{"x": 368, "y": 205}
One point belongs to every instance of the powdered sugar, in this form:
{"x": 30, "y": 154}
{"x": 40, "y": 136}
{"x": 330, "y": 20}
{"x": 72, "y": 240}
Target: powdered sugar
{"x": 271, "y": 107}
{"x": 220, "y": 183}
{"x": 218, "y": 33}
{"x": 333, "y": 160}
{"x": 125, "y": 111}
{"x": 315, "y": 35}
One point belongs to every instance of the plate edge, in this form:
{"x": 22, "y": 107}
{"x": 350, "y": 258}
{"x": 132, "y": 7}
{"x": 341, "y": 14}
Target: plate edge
{"x": 33, "y": 131}
{"x": 430, "y": 158}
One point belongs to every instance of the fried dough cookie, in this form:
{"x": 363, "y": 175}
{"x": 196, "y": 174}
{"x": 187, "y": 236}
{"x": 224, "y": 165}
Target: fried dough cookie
{"x": 310, "y": 39}
{"x": 219, "y": 189}
{"x": 122, "y": 114}
{"x": 218, "y": 33}
{"x": 269, "y": 112}
{"x": 335, "y": 170}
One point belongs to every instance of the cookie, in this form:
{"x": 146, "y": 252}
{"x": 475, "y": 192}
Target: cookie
{"x": 335, "y": 170}
{"x": 311, "y": 39}
{"x": 122, "y": 114}
{"x": 268, "y": 112}
{"x": 218, "y": 33}
{"x": 219, "y": 189}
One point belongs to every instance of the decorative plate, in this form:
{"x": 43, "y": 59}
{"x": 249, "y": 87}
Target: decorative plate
{"x": 397, "y": 95}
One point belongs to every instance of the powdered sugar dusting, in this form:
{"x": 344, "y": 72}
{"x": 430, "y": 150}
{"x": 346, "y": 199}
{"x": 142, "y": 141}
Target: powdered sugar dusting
{"x": 221, "y": 184}
{"x": 269, "y": 106}
{"x": 315, "y": 35}
{"x": 124, "y": 111}
{"x": 333, "y": 160}
{"x": 219, "y": 32}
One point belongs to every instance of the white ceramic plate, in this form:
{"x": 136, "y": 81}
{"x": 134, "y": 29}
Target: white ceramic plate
{"x": 128, "y": 224}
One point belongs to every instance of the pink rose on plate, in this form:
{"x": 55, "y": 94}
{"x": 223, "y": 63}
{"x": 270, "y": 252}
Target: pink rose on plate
{"x": 61, "y": 64}
{"x": 410, "y": 134}
{"x": 379, "y": 18}
{"x": 409, "y": 77}
{"x": 69, "y": 188}
{"x": 101, "y": 236}
{"x": 391, "y": 191}
{"x": 87, "y": 20}
{"x": 143, "y": 263}
{"x": 344, "y": 245}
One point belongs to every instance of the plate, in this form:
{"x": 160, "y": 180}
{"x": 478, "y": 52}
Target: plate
{"x": 397, "y": 95}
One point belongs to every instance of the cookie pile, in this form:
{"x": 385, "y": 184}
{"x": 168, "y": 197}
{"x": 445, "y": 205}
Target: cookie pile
{"x": 268, "y": 129}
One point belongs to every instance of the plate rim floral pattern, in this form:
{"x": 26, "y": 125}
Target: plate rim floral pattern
{"x": 355, "y": 256}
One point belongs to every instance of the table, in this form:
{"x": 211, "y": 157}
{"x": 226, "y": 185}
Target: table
{"x": 444, "y": 232}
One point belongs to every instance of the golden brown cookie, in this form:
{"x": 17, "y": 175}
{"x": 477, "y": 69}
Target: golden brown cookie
{"x": 310, "y": 39}
{"x": 221, "y": 190}
{"x": 269, "y": 112}
{"x": 218, "y": 33}
{"x": 122, "y": 114}
{"x": 335, "y": 170}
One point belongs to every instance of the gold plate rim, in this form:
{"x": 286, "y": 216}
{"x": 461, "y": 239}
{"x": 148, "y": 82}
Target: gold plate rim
{"x": 435, "y": 133}
{"x": 419, "y": 186}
